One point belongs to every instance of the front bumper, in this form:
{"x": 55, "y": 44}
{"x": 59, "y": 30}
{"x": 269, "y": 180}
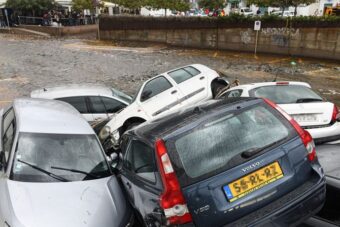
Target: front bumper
{"x": 325, "y": 134}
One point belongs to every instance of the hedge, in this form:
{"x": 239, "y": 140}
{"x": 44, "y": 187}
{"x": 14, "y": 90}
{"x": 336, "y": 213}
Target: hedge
{"x": 232, "y": 21}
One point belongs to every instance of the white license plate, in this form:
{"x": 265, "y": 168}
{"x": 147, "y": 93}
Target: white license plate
{"x": 305, "y": 118}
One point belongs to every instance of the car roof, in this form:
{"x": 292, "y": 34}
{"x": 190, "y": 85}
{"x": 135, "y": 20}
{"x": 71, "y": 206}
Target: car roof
{"x": 49, "y": 116}
{"x": 263, "y": 84}
{"x": 163, "y": 127}
{"x": 72, "y": 90}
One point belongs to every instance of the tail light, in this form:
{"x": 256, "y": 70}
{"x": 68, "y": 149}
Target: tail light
{"x": 172, "y": 200}
{"x": 335, "y": 115}
{"x": 304, "y": 135}
{"x": 282, "y": 83}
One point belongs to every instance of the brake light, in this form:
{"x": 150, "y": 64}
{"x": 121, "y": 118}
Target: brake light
{"x": 282, "y": 83}
{"x": 336, "y": 114}
{"x": 304, "y": 135}
{"x": 172, "y": 200}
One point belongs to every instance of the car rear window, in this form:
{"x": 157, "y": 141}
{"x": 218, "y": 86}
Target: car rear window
{"x": 286, "y": 94}
{"x": 213, "y": 144}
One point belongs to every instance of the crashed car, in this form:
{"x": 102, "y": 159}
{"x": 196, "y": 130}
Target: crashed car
{"x": 318, "y": 116}
{"x": 53, "y": 171}
{"x": 229, "y": 162}
{"x": 161, "y": 94}
{"x": 95, "y": 102}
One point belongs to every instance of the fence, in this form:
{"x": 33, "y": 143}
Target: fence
{"x": 88, "y": 20}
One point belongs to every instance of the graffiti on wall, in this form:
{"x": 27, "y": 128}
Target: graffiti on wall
{"x": 246, "y": 36}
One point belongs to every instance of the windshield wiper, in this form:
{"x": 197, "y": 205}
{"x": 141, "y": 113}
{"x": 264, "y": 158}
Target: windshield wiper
{"x": 308, "y": 100}
{"x": 255, "y": 150}
{"x": 75, "y": 171}
{"x": 44, "y": 171}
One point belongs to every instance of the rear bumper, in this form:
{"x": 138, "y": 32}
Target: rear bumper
{"x": 326, "y": 134}
{"x": 298, "y": 211}
{"x": 291, "y": 209}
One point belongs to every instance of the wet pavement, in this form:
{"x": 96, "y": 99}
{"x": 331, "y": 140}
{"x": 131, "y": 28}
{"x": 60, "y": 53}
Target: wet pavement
{"x": 27, "y": 63}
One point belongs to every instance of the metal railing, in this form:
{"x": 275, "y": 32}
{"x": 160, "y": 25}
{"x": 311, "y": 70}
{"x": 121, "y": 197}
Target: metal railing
{"x": 57, "y": 22}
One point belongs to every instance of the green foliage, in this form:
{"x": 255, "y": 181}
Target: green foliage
{"x": 279, "y": 3}
{"x": 179, "y": 5}
{"x": 212, "y": 4}
{"x": 80, "y": 5}
{"x": 31, "y": 5}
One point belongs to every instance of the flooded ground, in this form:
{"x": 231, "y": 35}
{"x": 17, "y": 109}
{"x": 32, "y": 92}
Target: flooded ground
{"x": 29, "y": 63}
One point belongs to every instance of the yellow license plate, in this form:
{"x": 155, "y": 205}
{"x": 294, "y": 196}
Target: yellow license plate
{"x": 253, "y": 181}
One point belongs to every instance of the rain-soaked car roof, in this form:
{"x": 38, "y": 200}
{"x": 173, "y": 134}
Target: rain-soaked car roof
{"x": 49, "y": 116}
{"x": 163, "y": 127}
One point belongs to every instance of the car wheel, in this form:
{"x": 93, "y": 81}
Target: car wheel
{"x": 132, "y": 125}
{"x": 217, "y": 88}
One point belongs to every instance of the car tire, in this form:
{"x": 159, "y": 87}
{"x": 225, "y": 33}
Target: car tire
{"x": 216, "y": 88}
{"x": 132, "y": 125}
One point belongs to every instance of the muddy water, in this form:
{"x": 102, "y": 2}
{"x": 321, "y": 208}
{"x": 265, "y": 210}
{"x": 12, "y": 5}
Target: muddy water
{"x": 27, "y": 64}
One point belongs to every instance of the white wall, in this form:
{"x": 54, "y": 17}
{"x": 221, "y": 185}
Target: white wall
{"x": 156, "y": 13}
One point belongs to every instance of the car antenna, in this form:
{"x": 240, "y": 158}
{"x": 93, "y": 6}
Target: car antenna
{"x": 45, "y": 89}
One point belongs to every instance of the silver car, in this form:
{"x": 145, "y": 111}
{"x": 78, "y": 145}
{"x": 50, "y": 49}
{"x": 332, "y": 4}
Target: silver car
{"x": 94, "y": 102}
{"x": 53, "y": 171}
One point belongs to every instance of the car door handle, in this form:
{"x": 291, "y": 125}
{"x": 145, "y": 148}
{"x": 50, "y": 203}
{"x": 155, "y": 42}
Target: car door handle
{"x": 128, "y": 185}
{"x": 202, "y": 78}
{"x": 174, "y": 92}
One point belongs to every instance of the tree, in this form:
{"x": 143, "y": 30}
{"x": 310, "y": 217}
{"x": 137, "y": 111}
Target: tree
{"x": 80, "y": 5}
{"x": 32, "y": 6}
{"x": 212, "y": 4}
{"x": 178, "y": 5}
{"x": 131, "y": 4}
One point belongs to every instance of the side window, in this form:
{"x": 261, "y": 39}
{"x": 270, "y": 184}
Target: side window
{"x": 156, "y": 86}
{"x": 8, "y": 132}
{"x": 140, "y": 160}
{"x": 181, "y": 75}
{"x": 77, "y": 102}
{"x": 97, "y": 106}
{"x": 112, "y": 105}
{"x": 234, "y": 93}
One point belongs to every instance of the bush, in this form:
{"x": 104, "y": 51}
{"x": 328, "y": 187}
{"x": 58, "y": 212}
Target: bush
{"x": 232, "y": 21}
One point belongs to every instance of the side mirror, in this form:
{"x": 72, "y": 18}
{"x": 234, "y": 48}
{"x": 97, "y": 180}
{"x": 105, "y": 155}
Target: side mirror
{"x": 113, "y": 160}
{"x": 146, "y": 95}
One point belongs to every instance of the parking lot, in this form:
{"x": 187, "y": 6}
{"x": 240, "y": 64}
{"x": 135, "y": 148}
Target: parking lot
{"x": 28, "y": 63}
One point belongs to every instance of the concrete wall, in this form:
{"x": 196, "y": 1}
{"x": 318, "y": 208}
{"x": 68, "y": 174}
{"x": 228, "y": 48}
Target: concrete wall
{"x": 308, "y": 42}
{"x": 63, "y": 31}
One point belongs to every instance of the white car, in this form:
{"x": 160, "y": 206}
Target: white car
{"x": 53, "y": 171}
{"x": 246, "y": 11}
{"x": 161, "y": 94}
{"x": 288, "y": 14}
{"x": 94, "y": 102}
{"x": 319, "y": 117}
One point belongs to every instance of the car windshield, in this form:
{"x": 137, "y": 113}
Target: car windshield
{"x": 214, "y": 145}
{"x": 247, "y": 10}
{"x": 286, "y": 94}
{"x": 121, "y": 95}
{"x": 51, "y": 157}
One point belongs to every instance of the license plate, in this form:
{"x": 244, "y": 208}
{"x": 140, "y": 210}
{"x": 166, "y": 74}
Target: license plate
{"x": 305, "y": 118}
{"x": 253, "y": 181}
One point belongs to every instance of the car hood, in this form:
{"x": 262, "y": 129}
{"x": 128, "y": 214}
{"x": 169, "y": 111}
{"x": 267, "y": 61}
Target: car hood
{"x": 322, "y": 112}
{"x": 71, "y": 204}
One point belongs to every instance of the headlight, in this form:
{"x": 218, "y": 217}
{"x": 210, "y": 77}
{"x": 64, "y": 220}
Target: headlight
{"x": 104, "y": 133}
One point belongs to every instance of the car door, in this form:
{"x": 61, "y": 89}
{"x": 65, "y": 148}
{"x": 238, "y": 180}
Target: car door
{"x": 192, "y": 83}
{"x": 141, "y": 180}
{"x": 159, "y": 96}
{"x": 97, "y": 108}
{"x": 8, "y": 129}
{"x": 112, "y": 105}
{"x": 80, "y": 103}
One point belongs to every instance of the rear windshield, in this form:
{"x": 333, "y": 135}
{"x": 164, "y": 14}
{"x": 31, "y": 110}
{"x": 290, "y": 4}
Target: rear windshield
{"x": 210, "y": 147}
{"x": 286, "y": 94}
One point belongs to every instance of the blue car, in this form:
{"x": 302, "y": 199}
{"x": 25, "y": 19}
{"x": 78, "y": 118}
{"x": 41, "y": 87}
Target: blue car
{"x": 230, "y": 162}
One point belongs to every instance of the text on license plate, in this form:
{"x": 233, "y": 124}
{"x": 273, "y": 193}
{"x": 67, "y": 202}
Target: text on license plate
{"x": 305, "y": 118}
{"x": 253, "y": 181}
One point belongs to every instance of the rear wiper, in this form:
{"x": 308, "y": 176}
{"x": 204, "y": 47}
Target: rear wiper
{"x": 308, "y": 100}
{"x": 255, "y": 150}
{"x": 44, "y": 171}
{"x": 75, "y": 171}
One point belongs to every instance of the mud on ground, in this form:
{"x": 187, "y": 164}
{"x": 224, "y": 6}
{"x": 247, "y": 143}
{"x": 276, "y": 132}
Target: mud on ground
{"x": 28, "y": 63}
